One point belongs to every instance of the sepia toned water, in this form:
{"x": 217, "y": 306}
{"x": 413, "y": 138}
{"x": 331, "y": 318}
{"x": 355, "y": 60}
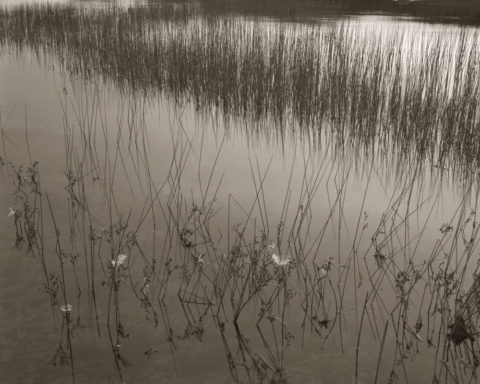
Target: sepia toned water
{"x": 376, "y": 237}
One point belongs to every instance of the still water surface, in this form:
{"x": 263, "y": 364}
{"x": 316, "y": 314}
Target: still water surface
{"x": 349, "y": 201}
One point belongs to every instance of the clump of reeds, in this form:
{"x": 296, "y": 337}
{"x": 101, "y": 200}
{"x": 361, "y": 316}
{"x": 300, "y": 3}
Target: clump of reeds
{"x": 414, "y": 93}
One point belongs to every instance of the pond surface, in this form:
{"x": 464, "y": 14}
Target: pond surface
{"x": 296, "y": 200}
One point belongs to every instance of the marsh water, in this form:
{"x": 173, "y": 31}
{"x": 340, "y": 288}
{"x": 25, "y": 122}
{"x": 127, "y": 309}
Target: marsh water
{"x": 295, "y": 197}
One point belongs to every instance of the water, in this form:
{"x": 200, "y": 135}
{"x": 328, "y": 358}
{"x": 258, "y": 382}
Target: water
{"x": 146, "y": 159}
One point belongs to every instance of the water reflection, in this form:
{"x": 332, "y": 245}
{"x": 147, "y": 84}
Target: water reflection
{"x": 199, "y": 175}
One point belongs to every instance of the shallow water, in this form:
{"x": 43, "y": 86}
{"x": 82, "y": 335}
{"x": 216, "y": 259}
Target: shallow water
{"x": 121, "y": 146}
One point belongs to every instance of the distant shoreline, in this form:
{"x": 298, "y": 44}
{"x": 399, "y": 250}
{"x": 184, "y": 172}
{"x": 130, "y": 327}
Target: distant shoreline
{"x": 463, "y": 9}
{"x": 446, "y": 11}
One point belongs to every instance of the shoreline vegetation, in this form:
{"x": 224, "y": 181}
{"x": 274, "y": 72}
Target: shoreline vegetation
{"x": 127, "y": 241}
{"x": 357, "y": 88}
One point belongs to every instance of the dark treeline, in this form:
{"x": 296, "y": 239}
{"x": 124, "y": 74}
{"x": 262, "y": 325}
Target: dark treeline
{"x": 465, "y": 9}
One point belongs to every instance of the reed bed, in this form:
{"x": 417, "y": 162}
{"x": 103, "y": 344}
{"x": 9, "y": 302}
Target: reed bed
{"x": 263, "y": 282}
{"x": 409, "y": 92}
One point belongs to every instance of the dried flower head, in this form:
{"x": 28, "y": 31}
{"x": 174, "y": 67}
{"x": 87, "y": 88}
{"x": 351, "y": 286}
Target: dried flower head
{"x": 66, "y": 308}
{"x": 278, "y": 261}
{"x": 119, "y": 260}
